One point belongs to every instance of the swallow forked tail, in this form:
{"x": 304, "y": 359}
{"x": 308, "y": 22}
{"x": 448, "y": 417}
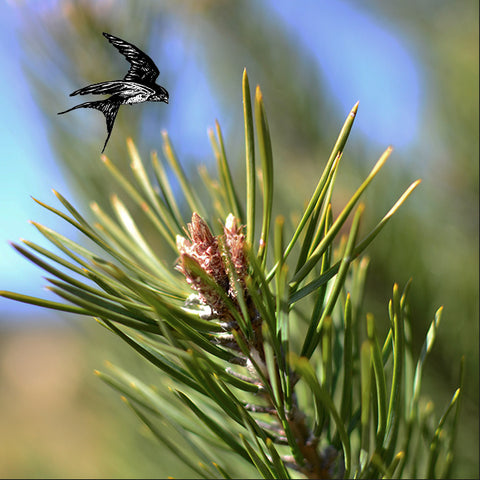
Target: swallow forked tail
{"x": 108, "y": 107}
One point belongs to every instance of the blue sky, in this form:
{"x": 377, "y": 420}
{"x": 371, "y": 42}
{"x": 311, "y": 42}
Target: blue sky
{"x": 27, "y": 168}
{"x": 370, "y": 62}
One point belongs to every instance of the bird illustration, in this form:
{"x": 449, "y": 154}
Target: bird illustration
{"x": 137, "y": 86}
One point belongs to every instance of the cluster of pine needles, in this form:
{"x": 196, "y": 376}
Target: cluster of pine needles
{"x": 257, "y": 330}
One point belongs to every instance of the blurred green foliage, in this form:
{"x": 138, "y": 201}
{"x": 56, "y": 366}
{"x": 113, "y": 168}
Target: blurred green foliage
{"x": 437, "y": 233}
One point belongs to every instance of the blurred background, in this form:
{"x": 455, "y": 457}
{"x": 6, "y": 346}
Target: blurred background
{"x": 412, "y": 65}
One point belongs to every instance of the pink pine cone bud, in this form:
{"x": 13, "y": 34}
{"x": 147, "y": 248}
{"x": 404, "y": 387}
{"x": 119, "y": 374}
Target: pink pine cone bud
{"x": 203, "y": 249}
{"x": 235, "y": 243}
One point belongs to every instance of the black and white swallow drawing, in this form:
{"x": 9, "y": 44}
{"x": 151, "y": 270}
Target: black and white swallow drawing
{"x": 137, "y": 86}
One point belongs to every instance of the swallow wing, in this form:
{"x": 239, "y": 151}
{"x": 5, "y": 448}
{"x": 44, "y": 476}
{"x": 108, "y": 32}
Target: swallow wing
{"x": 110, "y": 110}
{"x": 142, "y": 68}
{"x": 114, "y": 87}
